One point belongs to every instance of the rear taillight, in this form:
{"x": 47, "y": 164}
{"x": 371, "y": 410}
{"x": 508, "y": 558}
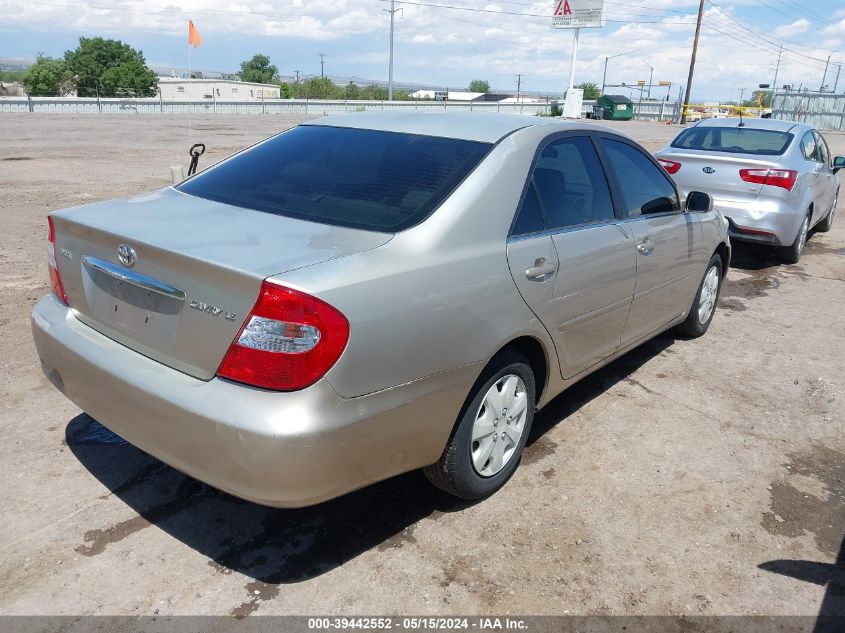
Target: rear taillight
{"x": 289, "y": 341}
{"x": 774, "y": 177}
{"x": 56, "y": 284}
{"x": 670, "y": 166}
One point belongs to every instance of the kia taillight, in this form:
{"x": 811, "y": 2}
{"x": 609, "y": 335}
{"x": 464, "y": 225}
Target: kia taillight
{"x": 56, "y": 284}
{"x": 670, "y": 166}
{"x": 774, "y": 177}
{"x": 289, "y": 341}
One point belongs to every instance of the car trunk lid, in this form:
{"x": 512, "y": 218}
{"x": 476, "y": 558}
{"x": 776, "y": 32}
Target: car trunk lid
{"x": 196, "y": 273}
{"x": 716, "y": 173}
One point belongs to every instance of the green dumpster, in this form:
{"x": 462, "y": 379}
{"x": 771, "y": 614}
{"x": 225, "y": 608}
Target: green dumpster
{"x": 616, "y": 107}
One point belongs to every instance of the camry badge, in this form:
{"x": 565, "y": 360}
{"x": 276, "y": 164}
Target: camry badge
{"x": 709, "y": 170}
{"x": 126, "y": 254}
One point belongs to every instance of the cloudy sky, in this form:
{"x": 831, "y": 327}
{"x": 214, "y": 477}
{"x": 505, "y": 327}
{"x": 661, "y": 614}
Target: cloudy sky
{"x": 450, "y": 42}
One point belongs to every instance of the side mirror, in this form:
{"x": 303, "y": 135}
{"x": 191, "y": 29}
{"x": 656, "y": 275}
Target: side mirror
{"x": 838, "y": 163}
{"x": 700, "y": 202}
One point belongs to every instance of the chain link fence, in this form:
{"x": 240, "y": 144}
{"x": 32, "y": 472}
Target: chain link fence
{"x": 824, "y": 111}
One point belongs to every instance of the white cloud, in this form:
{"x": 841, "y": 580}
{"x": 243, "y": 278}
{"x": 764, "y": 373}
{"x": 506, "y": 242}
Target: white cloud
{"x": 799, "y": 26}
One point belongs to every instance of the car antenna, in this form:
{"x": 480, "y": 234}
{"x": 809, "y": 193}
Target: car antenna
{"x": 741, "y": 122}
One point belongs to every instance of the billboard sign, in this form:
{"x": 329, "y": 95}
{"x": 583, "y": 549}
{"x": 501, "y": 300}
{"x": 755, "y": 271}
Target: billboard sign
{"x": 577, "y": 14}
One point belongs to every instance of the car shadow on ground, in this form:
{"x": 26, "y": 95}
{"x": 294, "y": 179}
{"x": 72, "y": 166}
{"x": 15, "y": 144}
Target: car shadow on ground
{"x": 750, "y": 257}
{"x": 831, "y": 576}
{"x": 276, "y": 546}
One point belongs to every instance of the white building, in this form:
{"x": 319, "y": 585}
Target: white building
{"x": 454, "y": 95}
{"x": 219, "y": 89}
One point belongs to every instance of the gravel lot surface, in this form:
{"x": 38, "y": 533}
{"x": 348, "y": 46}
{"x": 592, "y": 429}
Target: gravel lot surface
{"x": 688, "y": 477}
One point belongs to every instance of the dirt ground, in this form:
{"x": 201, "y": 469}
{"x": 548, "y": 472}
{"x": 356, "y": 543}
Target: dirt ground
{"x": 688, "y": 477}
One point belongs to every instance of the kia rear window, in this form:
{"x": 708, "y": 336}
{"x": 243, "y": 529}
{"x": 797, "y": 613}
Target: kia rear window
{"x": 734, "y": 140}
{"x": 365, "y": 179}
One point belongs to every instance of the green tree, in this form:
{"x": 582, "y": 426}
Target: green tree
{"x": 760, "y": 98}
{"x": 285, "y": 91}
{"x": 259, "y": 69}
{"x": 352, "y": 91}
{"x": 109, "y": 68}
{"x": 12, "y": 75}
{"x": 47, "y": 77}
{"x": 591, "y": 90}
{"x": 321, "y": 88}
{"x": 479, "y": 85}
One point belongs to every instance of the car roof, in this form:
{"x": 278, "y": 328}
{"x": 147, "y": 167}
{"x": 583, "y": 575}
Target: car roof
{"x": 470, "y": 126}
{"x": 777, "y": 125}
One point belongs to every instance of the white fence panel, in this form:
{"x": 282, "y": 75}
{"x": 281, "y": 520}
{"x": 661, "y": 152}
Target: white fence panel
{"x": 650, "y": 111}
{"x": 824, "y": 111}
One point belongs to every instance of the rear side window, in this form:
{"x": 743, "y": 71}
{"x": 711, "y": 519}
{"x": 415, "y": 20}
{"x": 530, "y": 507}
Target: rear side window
{"x": 530, "y": 217}
{"x": 734, "y": 140}
{"x": 808, "y": 147}
{"x": 366, "y": 179}
{"x": 571, "y": 183}
{"x": 645, "y": 188}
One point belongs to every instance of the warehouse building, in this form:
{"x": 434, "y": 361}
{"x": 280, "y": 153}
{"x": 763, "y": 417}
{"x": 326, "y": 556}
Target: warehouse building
{"x": 216, "y": 89}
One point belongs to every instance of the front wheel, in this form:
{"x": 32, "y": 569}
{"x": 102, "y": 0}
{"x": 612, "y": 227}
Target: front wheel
{"x": 792, "y": 254}
{"x": 486, "y": 445}
{"x": 704, "y": 305}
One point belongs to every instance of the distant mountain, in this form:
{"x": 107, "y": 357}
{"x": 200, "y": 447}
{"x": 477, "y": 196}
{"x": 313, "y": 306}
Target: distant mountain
{"x": 15, "y": 63}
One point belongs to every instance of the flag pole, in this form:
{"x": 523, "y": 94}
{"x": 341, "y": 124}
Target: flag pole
{"x": 188, "y": 91}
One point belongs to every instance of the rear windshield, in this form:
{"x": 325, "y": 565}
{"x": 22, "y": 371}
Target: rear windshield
{"x": 734, "y": 140}
{"x": 380, "y": 181}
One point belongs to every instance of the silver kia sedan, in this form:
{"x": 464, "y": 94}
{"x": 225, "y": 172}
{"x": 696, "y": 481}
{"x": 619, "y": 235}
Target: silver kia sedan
{"x": 773, "y": 180}
{"x": 368, "y": 294}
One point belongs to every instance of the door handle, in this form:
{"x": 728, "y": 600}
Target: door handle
{"x": 541, "y": 270}
{"x": 645, "y": 247}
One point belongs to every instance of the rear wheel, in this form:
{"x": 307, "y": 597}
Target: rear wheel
{"x": 486, "y": 445}
{"x": 792, "y": 254}
{"x": 825, "y": 225}
{"x": 704, "y": 305}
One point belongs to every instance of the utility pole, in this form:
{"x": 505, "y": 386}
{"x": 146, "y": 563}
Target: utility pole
{"x": 322, "y": 65}
{"x": 777, "y": 71}
{"x": 518, "y": 86}
{"x": 836, "y": 84}
{"x": 392, "y": 11}
{"x": 824, "y": 77}
{"x": 741, "y": 92}
{"x": 692, "y": 62}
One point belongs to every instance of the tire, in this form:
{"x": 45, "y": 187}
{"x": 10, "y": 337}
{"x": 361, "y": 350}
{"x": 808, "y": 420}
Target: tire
{"x": 701, "y": 314}
{"x": 825, "y": 225}
{"x": 458, "y": 471}
{"x": 792, "y": 254}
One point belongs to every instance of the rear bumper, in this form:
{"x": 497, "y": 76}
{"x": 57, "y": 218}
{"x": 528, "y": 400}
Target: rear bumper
{"x": 280, "y": 449}
{"x": 762, "y": 221}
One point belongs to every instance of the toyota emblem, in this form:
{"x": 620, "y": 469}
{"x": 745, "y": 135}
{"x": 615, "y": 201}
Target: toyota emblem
{"x": 126, "y": 254}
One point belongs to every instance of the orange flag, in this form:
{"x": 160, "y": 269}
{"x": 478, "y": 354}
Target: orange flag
{"x": 194, "y": 37}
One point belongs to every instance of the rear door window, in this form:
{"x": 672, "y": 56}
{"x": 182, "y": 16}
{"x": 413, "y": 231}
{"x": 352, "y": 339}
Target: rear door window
{"x": 571, "y": 184}
{"x": 646, "y": 190}
{"x": 821, "y": 146}
{"x": 366, "y": 179}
